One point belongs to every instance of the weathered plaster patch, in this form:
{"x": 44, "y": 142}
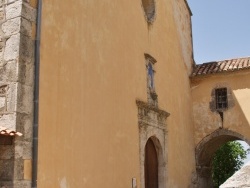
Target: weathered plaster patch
{"x": 183, "y": 23}
{"x": 63, "y": 183}
{"x": 205, "y": 120}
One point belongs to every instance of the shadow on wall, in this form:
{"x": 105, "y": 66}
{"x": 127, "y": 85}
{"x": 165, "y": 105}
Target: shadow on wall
{"x": 6, "y": 161}
{"x": 242, "y": 97}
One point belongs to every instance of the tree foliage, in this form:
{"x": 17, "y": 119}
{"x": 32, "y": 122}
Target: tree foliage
{"x": 227, "y": 160}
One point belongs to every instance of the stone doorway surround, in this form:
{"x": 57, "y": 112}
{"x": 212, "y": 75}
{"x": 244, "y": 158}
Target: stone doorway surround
{"x": 152, "y": 125}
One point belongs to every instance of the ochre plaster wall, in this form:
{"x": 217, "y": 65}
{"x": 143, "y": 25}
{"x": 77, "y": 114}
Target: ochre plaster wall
{"x": 184, "y": 29}
{"x": 92, "y": 71}
{"x": 236, "y": 118}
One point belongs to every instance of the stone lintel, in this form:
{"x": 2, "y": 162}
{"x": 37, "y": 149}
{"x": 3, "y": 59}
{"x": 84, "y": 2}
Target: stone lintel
{"x": 146, "y": 106}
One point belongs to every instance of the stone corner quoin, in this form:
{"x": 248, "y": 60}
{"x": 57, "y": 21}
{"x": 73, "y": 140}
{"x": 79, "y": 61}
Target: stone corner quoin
{"x": 17, "y": 23}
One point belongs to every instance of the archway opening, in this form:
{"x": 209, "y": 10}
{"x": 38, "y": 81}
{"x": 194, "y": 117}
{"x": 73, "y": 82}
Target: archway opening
{"x": 246, "y": 147}
{"x": 205, "y": 152}
{"x": 227, "y": 160}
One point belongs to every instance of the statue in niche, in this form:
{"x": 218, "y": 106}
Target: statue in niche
{"x": 152, "y": 96}
{"x": 150, "y": 77}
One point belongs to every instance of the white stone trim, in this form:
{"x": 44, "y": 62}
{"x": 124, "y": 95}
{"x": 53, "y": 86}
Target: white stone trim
{"x": 152, "y": 124}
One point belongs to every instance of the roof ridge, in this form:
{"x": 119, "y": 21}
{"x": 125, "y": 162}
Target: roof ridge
{"x": 228, "y": 65}
{"x": 235, "y": 58}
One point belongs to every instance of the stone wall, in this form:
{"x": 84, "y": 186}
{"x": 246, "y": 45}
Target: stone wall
{"x": 80, "y": 58}
{"x": 214, "y": 127}
{"x": 234, "y": 118}
{"x": 17, "y": 39}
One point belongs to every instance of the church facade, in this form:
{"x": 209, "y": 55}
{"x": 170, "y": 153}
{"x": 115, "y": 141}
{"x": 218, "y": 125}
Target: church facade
{"x": 107, "y": 94}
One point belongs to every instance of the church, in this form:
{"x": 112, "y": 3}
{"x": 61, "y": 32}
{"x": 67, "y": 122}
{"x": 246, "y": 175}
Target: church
{"x": 100, "y": 94}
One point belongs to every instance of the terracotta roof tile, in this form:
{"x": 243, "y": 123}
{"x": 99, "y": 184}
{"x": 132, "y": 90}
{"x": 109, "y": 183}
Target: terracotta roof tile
{"x": 241, "y": 64}
{"x": 222, "y": 66}
{"x": 237, "y": 63}
{"x": 9, "y": 132}
{"x": 245, "y": 64}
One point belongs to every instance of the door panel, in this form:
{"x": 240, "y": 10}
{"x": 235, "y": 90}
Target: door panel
{"x": 151, "y": 165}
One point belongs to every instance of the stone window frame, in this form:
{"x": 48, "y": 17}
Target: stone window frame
{"x": 230, "y": 99}
{"x": 149, "y": 12}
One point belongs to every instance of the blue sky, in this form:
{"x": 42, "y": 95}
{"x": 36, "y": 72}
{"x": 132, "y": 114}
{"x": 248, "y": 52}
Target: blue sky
{"x": 221, "y": 29}
{"x": 245, "y": 145}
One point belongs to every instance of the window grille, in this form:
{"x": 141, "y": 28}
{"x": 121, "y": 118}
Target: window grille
{"x": 221, "y": 98}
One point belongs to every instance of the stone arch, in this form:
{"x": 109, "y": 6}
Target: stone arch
{"x": 204, "y": 153}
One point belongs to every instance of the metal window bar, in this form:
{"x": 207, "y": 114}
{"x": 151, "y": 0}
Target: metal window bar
{"x": 221, "y": 98}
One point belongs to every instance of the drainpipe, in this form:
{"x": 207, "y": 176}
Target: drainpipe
{"x": 36, "y": 95}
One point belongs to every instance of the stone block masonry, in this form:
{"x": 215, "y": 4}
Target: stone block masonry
{"x": 17, "y": 41}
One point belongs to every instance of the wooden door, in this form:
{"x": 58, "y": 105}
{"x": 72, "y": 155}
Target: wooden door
{"x": 151, "y": 165}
